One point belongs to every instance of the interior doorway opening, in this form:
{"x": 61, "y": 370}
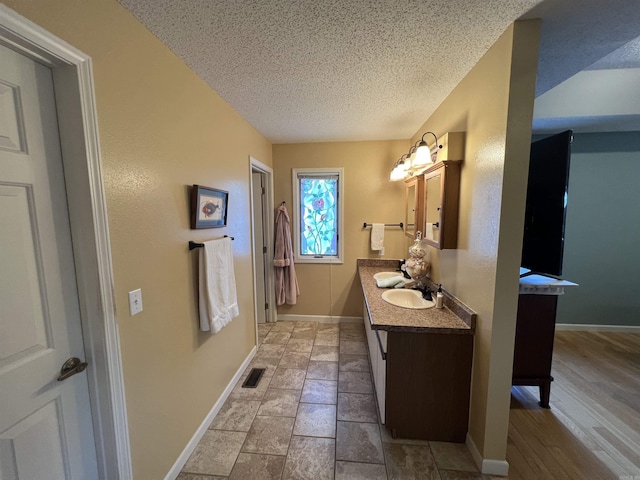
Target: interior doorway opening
{"x": 262, "y": 218}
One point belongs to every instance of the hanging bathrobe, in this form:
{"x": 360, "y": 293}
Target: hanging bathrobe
{"x": 287, "y": 289}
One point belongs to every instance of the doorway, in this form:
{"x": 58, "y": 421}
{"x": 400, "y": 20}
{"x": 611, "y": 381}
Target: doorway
{"x": 262, "y": 238}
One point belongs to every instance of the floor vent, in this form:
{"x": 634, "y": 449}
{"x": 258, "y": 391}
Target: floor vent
{"x": 254, "y": 378}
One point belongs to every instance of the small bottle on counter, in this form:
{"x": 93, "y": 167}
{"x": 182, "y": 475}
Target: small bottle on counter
{"x": 439, "y": 297}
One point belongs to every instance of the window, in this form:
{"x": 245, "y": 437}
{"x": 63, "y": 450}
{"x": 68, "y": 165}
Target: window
{"x": 318, "y": 215}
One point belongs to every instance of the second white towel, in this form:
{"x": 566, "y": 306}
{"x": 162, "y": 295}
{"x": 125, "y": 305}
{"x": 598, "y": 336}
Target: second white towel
{"x": 377, "y": 236}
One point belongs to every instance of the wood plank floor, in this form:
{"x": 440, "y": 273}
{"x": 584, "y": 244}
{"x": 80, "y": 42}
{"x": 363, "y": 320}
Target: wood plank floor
{"x": 592, "y": 430}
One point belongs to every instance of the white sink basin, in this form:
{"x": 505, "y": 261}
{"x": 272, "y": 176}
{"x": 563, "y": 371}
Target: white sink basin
{"x": 384, "y": 275}
{"x": 407, "y": 299}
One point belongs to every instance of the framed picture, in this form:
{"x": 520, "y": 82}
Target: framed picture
{"x": 208, "y": 207}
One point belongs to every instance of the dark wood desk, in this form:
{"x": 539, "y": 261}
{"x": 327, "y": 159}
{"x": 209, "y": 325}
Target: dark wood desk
{"x": 535, "y": 330}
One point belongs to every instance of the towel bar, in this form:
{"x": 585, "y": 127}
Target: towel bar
{"x": 365, "y": 225}
{"x": 193, "y": 245}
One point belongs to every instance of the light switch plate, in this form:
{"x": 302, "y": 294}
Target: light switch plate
{"x": 135, "y": 302}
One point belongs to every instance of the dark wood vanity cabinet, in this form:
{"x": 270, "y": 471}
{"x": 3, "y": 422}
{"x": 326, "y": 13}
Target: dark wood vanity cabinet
{"x": 422, "y": 382}
{"x": 428, "y": 384}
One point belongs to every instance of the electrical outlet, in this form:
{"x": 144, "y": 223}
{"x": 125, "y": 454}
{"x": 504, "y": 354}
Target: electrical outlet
{"x": 381, "y": 251}
{"x": 135, "y": 302}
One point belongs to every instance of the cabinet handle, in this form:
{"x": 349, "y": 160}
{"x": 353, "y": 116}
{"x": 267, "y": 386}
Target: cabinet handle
{"x": 382, "y": 352}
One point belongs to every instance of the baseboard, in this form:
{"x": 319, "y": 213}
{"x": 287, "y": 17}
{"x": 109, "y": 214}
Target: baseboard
{"x": 578, "y": 327}
{"x": 202, "y": 429}
{"x": 485, "y": 465}
{"x": 318, "y": 318}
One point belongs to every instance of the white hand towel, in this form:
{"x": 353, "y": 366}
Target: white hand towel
{"x": 428, "y": 231}
{"x": 389, "y": 282}
{"x": 218, "y": 301}
{"x": 377, "y": 236}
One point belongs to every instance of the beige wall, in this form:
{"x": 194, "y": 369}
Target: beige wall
{"x": 369, "y": 196}
{"x": 494, "y": 106}
{"x": 161, "y": 129}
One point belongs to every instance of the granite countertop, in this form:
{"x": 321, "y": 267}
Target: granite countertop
{"x": 454, "y": 318}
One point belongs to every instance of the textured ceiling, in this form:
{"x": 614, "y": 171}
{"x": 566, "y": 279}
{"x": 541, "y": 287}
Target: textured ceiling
{"x": 344, "y": 70}
{"x": 330, "y": 70}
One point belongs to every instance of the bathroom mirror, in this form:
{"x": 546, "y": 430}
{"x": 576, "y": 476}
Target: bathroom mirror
{"x": 413, "y": 202}
{"x": 433, "y": 207}
{"x": 441, "y": 197}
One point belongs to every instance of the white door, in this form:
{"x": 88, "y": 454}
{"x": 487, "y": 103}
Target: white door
{"x": 45, "y": 425}
{"x": 258, "y": 232}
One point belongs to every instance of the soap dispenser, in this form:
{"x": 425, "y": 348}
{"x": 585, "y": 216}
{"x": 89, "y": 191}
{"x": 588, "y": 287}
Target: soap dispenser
{"x": 439, "y": 297}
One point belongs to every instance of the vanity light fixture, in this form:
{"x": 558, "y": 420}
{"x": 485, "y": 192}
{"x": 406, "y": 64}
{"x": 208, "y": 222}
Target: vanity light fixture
{"x": 399, "y": 171}
{"x": 416, "y": 159}
{"x": 423, "y": 153}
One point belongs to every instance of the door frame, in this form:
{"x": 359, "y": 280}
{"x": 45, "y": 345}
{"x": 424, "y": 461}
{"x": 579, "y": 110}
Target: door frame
{"x": 79, "y": 140}
{"x": 270, "y": 290}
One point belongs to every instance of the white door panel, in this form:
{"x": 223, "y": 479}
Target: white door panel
{"x": 45, "y": 425}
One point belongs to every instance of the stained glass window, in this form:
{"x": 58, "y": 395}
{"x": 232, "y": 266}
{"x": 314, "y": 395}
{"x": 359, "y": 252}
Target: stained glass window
{"x": 318, "y": 222}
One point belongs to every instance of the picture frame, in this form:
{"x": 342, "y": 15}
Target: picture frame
{"x": 208, "y": 207}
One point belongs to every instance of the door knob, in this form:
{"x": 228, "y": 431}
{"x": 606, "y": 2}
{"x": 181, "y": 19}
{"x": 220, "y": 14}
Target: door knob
{"x": 71, "y": 367}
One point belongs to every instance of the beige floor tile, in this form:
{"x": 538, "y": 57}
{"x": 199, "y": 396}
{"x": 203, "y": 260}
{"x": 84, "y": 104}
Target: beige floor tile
{"x": 315, "y": 420}
{"x": 357, "y": 407}
{"x": 195, "y": 476}
{"x": 310, "y": 459}
{"x": 355, "y": 348}
{"x": 360, "y": 471}
{"x": 250, "y": 393}
{"x": 298, "y": 360}
{"x": 322, "y": 370}
{"x": 282, "y": 326}
{"x": 354, "y": 363}
{"x": 236, "y": 415}
{"x": 302, "y": 324}
{"x": 264, "y": 328}
{"x": 359, "y": 442}
{"x": 216, "y": 453}
{"x": 328, "y": 328}
{"x": 351, "y": 325}
{"x": 277, "y": 337}
{"x": 324, "y": 354}
{"x": 327, "y": 339}
{"x": 299, "y": 345}
{"x": 319, "y": 391}
{"x": 308, "y": 333}
{"x": 410, "y": 461}
{"x": 280, "y": 403}
{"x": 354, "y": 382}
{"x": 254, "y": 466}
{"x": 269, "y": 435}
{"x": 352, "y": 336}
{"x": 269, "y": 364}
{"x": 270, "y": 350}
{"x": 288, "y": 379}
{"x": 452, "y": 456}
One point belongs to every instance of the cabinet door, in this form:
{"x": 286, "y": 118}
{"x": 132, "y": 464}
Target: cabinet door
{"x": 380, "y": 375}
{"x": 441, "y": 197}
{"x": 378, "y": 365}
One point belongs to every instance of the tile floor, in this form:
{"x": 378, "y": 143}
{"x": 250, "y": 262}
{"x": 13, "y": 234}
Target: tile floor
{"x": 314, "y": 416}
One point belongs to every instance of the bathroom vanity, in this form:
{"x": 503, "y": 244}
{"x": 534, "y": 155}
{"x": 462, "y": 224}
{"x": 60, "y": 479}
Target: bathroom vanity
{"x": 420, "y": 360}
